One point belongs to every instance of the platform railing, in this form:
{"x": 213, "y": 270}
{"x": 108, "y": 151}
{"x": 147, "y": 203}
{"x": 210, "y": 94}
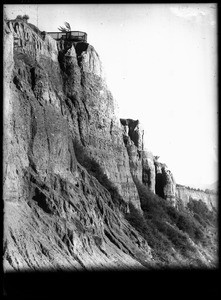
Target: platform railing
{"x": 70, "y": 35}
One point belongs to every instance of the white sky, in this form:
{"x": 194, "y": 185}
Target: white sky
{"x": 160, "y": 62}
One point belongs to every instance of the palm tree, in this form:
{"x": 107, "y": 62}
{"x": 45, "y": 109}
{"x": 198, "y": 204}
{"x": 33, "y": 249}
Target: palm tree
{"x": 67, "y": 27}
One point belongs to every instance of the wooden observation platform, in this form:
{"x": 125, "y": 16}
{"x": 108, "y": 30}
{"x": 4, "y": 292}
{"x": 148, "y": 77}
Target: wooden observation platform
{"x": 74, "y": 36}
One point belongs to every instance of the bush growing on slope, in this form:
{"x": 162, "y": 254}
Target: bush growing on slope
{"x": 156, "y": 240}
{"x": 185, "y": 222}
{"x": 201, "y": 212}
{"x": 163, "y": 226}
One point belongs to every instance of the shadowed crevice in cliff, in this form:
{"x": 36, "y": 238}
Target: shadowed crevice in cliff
{"x": 63, "y": 58}
{"x": 33, "y": 79}
{"x": 80, "y": 47}
{"x": 17, "y": 83}
{"x": 41, "y": 200}
{"x": 64, "y": 62}
{"x": 133, "y": 131}
{"x": 160, "y": 184}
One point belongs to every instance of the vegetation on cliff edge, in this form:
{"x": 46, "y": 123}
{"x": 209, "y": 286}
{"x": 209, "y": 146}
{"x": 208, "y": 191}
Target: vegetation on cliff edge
{"x": 171, "y": 232}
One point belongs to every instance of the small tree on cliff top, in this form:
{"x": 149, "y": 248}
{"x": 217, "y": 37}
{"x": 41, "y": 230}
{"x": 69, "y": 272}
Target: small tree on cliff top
{"x": 67, "y": 27}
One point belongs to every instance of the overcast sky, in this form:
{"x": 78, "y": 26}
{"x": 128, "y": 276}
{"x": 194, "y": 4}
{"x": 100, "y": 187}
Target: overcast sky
{"x": 160, "y": 62}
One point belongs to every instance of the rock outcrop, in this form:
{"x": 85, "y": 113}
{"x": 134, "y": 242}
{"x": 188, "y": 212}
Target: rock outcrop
{"x": 91, "y": 116}
{"x": 165, "y": 183}
{"x": 144, "y": 166}
{"x": 133, "y": 140}
{"x": 148, "y": 170}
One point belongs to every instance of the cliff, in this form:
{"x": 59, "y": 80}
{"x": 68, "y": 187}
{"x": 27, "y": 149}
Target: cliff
{"x": 57, "y": 215}
{"x": 144, "y": 166}
{"x": 71, "y": 167}
{"x": 185, "y": 194}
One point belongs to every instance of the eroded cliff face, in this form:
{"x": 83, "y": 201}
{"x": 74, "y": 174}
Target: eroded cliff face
{"x": 185, "y": 194}
{"x": 57, "y": 215}
{"x": 69, "y": 162}
{"x": 148, "y": 170}
{"x": 91, "y": 116}
{"x": 165, "y": 183}
{"x": 144, "y": 166}
{"x": 133, "y": 140}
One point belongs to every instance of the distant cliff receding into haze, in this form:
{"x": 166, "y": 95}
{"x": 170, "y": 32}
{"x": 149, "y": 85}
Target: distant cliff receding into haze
{"x": 81, "y": 191}
{"x": 185, "y": 194}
